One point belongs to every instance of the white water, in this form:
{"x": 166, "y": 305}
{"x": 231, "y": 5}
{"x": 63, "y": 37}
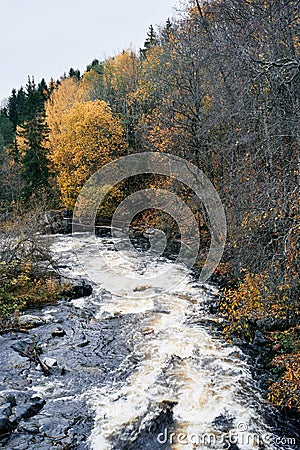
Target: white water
{"x": 181, "y": 362}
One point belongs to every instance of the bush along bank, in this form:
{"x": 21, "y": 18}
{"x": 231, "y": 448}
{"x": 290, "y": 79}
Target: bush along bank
{"x": 20, "y": 288}
{"x": 258, "y": 311}
{"x": 29, "y": 276}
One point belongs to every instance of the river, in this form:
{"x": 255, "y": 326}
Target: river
{"x": 148, "y": 370}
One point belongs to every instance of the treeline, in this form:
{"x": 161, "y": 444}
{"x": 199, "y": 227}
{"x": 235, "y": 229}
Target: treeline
{"x": 220, "y": 86}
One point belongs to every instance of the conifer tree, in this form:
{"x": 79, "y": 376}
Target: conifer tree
{"x": 21, "y": 105}
{"x": 31, "y": 138}
{"x": 74, "y": 74}
{"x": 150, "y": 42}
{"x": 12, "y": 109}
{"x": 6, "y": 129}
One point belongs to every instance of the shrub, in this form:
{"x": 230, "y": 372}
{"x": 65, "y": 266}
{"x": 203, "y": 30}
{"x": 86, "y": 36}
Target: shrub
{"x": 28, "y": 275}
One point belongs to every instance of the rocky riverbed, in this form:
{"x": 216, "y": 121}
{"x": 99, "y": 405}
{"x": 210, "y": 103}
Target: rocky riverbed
{"x": 41, "y": 411}
{"x": 103, "y": 372}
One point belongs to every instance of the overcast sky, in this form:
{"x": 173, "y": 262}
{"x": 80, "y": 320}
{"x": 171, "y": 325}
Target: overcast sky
{"x": 46, "y": 38}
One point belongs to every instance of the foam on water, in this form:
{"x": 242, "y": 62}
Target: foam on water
{"x": 204, "y": 377}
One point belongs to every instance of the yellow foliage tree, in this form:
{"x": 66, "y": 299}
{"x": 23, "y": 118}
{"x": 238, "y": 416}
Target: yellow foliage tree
{"x": 112, "y": 81}
{"x": 61, "y": 101}
{"x": 121, "y": 72}
{"x": 90, "y": 137}
{"x": 91, "y": 86}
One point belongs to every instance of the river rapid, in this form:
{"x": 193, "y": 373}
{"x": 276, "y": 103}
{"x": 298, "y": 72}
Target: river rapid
{"x": 149, "y": 370}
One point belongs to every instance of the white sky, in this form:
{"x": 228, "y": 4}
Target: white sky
{"x": 45, "y": 38}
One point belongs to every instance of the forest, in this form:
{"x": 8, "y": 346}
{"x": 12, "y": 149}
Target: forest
{"x": 218, "y": 86}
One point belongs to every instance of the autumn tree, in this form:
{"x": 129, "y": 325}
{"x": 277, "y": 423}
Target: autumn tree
{"x": 114, "y": 81}
{"x": 12, "y": 183}
{"x": 60, "y": 102}
{"x": 90, "y": 137}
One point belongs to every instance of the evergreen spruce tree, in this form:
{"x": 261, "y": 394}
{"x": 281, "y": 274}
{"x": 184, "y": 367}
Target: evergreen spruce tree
{"x": 1, "y": 148}
{"x": 43, "y": 92}
{"x": 12, "y": 109}
{"x": 21, "y": 105}
{"x": 32, "y": 136}
{"x": 167, "y": 31}
{"x": 151, "y": 41}
{"x": 6, "y": 129}
{"x": 74, "y": 74}
{"x": 95, "y": 65}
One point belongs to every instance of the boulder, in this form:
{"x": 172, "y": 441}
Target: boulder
{"x": 260, "y": 339}
{"x": 80, "y": 288}
{"x": 31, "y": 321}
{"x": 5, "y": 426}
{"x": 58, "y": 222}
{"x": 27, "y": 410}
{"x": 5, "y": 410}
{"x": 58, "y": 332}
{"x": 50, "y": 362}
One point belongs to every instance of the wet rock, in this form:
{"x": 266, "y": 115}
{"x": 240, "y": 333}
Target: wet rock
{"x": 145, "y": 437}
{"x": 147, "y": 330}
{"x": 30, "y": 349}
{"x": 5, "y": 410}
{"x": 7, "y": 397}
{"x": 20, "y": 412}
{"x": 24, "y": 346}
{"x": 57, "y": 222}
{"x": 260, "y": 339}
{"x": 58, "y": 332}
{"x": 141, "y": 288}
{"x": 54, "y": 426}
{"x": 51, "y": 366}
{"x": 167, "y": 405}
{"x": 31, "y": 321}
{"x": 162, "y": 311}
{"x": 17, "y": 383}
{"x": 80, "y": 288}
{"x": 213, "y": 307}
{"x": 18, "y": 442}
{"x": 223, "y": 422}
{"x": 206, "y": 321}
{"x": 50, "y": 362}
{"x": 31, "y": 427}
{"x": 23, "y": 412}
{"x": 239, "y": 342}
{"x": 81, "y": 341}
{"x": 82, "y": 344}
{"x": 6, "y": 426}
{"x": 68, "y": 441}
{"x": 22, "y": 446}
